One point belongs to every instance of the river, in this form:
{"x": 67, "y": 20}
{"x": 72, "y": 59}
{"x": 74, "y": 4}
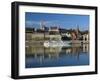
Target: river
{"x": 40, "y": 56}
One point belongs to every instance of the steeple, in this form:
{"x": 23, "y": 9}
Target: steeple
{"x": 77, "y": 31}
{"x": 42, "y": 25}
{"x": 77, "y": 27}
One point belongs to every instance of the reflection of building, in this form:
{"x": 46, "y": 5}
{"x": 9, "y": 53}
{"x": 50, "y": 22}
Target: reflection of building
{"x": 41, "y": 50}
{"x": 56, "y": 52}
{"x": 85, "y": 47}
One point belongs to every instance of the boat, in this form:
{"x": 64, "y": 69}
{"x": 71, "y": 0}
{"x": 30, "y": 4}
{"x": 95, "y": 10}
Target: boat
{"x": 56, "y": 44}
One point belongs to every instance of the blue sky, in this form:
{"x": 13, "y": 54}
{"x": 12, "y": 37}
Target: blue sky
{"x": 66, "y": 21}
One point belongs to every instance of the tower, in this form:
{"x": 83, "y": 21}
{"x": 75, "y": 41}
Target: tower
{"x": 77, "y": 32}
{"x": 42, "y": 25}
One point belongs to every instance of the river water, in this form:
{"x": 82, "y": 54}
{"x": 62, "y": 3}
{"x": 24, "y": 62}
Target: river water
{"x": 40, "y": 56}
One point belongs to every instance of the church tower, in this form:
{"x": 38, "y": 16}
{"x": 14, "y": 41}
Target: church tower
{"x": 77, "y": 32}
{"x": 42, "y": 25}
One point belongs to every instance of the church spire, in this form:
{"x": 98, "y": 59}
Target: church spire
{"x": 42, "y": 25}
{"x": 77, "y": 27}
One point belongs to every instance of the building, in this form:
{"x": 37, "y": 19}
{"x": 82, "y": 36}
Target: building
{"x": 53, "y": 30}
{"x": 65, "y": 34}
{"x": 85, "y": 36}
{"x": 54, "y": 33}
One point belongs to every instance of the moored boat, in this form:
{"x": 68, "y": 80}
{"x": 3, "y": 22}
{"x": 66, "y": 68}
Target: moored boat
{"x": 56, "y": 44}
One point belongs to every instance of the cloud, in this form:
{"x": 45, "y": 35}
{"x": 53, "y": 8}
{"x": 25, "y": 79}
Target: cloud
{"x": 63, "y": 24}
{"x": 32, "y": 23}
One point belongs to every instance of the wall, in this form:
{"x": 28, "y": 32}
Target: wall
{"x": 5, "y": 40}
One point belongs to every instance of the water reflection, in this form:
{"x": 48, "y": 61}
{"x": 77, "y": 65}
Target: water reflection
{"x": 40, "y": 56}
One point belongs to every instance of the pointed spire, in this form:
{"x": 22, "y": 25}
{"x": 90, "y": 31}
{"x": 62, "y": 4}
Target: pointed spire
{"x": 42, "y": 24}
{"x": 78, "y": 27}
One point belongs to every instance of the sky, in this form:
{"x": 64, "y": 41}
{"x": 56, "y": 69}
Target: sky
{"x": 67, "y": 21}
